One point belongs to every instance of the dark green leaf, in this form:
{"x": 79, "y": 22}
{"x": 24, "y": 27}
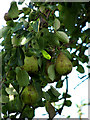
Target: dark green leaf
{"x": 28, "y": 112}
{"x": 59, "y": 84}
{"x": 75, "y": 63}
{"x": 21, "y": 1}
{"x": 46, "y": 96}
{"x": 68, "y": 103}
{"x": 67, "y": 53}
{"x": 37, "y": 86}
{"x": 22, "y": 77}
{"x": 66, "y": 95}
{"x": 14, "y": 105}
{"x": 80, "y": 69}
{"x": 35, "y": 26}
{"x": 4, "y": 99}
{"x": 3, "y": 31}
{"x": 55, "y": 92}
{"x": 17, "y": 27}
{"x": 20, "y": 56}
{"x": 13, "y": 11}
{"x": 53, "y": 97}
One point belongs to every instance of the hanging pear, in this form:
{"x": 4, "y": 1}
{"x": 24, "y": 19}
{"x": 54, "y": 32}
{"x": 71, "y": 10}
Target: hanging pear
{"x": 63, "y": 64}
{"x": 30, "y": 64}
{"x": 29, "y": 95}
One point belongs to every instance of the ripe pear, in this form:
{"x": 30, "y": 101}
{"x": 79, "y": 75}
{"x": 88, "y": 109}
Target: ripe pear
{"x": 63, "y": 64}
{"x": 29, "y": 95}
{"x": 30, "y": 64}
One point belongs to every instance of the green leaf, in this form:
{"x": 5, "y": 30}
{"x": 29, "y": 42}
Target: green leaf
{"x": 67, "y": 53}
{"x": 59, "y": 84}
{"x": 51, "y": 72}
{"x": 46, "y": 96}
{"x": 55, "y": 92}
{"x": 11, "y": 91}
{"x": 14, "y": 105}
{"x": 20, "y": 56}
{"x": 46, "y": 55}
{"x": 37, "y": 86}
{"x": 28, "y": 112}
{"x": 68, "y": 103}
{"x": 62, "y": 36}
{"x": 35, "y": 26}
{"x": 80, "y": 68}
{"x": 50, "y": 109}
{"x": 13, "y": 11}
{"x": 66, "y": 95}
{"x": 4, "y": 99}
{"x": 22, "y": 77}
{"x": 3, "y": 31}
{"x": 17, "y": 27}
{"x": 21, "y": 1}
{"x": 75, "y": 63}
{"x": 56, "y": 24}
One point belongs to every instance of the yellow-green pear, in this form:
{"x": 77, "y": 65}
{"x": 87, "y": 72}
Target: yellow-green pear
{"x": 29, "y": 95}
{"x": 30, "y": 64}
{"x": 63, "y": 64}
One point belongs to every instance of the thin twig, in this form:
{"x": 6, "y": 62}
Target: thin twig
{"x": 80, "y": 83}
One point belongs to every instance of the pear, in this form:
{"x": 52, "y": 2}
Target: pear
{"x": 63, "y": 65}
{"x": 29, "y": 95}
{"x": 6, "y": 17}
{"x": 30, "y": 64}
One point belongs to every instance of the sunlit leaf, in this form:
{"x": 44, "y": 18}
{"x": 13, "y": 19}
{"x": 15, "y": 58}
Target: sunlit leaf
{"x": 46, "y": 55}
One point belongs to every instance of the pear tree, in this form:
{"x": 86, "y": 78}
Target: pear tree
{"x": 38, "y": 51}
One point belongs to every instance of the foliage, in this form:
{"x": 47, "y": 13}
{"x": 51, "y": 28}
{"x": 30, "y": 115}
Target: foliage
{"x": 35, "y": 30}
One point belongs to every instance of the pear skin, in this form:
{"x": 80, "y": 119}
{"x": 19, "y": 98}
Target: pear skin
{"x": 63, "y": 65}
{"x": 29, "y": 95}
{"x": 30, "y": 64}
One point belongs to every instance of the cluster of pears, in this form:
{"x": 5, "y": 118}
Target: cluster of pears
{"x": 29, "y": 94}
{"x": 63, "y": 65}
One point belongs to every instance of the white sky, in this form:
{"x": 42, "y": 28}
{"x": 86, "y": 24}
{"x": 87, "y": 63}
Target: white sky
{"x": 78, "y": 94}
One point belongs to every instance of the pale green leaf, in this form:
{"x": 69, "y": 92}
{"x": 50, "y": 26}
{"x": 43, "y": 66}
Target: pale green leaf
{"x": 56, "y": 24}
{"x": 51, "y": 72}
{"x": 11, "y": 91}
